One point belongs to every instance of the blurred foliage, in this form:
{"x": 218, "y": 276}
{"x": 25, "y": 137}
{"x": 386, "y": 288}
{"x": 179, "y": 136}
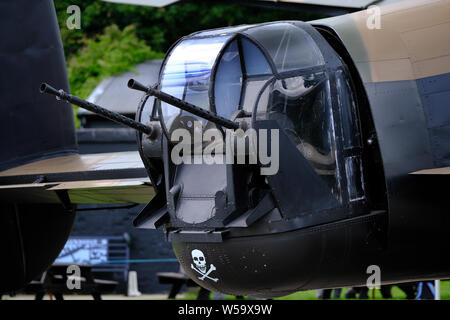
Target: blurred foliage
{"x": 113, "y": 52}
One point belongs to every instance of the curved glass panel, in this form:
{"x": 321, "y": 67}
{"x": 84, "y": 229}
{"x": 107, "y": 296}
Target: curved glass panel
{"x": 252, "y": 90}
{"x": 186, "y": 75}
{"x": 262, "y": 100}
{"x": 255, "y": 62}
{"x": 302, "y": 107}
{"x": 290, "y": 47}
{"x": 347, "y": 108}
{"x": 228, "y": 82}
{"x": 241, "y": 73}
{"x": 221, "y": 31}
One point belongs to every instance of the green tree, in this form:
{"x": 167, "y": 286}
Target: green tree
{"x": 110, "y": 53}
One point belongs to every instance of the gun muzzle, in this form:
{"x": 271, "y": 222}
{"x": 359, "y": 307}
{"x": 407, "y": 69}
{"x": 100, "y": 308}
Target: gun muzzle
{"x": 46, "y": 88}
{"x": 136, "y": 85}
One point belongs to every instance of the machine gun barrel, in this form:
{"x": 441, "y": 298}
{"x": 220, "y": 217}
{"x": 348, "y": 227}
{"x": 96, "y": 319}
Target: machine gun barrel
{"x": 186, "y": 106}
{"x": 113, "y": 116}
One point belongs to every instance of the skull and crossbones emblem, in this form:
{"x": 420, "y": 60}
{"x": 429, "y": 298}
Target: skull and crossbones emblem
{"x": 200, "y": 265}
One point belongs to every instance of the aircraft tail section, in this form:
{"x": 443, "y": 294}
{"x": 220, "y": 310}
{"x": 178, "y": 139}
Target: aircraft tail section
{"x": 32, "y": 126}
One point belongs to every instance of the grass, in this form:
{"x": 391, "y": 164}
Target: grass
{"x": 397, "y": 294}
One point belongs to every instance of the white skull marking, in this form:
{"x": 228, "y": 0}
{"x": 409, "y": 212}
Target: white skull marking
{"x": 199, "y": 260}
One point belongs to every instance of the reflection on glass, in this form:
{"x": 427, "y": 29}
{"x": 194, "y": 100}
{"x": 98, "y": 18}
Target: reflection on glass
{"x": 221, "y": 31}
{"x": 228, "y": 82}
{"x": 186, "y": 75}
{"x": 232, "y": 79}
{"x": 290, "y": 47}
{"x": 354, "y": 178}
{"x": 252, "y": 90}
{"x": 347, "y": 108}
{"x": 255, "y": 62}
{"x": 302, "y": 107}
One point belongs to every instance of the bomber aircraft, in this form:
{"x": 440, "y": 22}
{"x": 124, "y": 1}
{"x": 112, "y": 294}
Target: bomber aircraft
{"x": 354, "y": 112}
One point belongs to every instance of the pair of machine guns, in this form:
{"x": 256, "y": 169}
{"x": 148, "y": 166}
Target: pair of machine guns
{"x": 151, "y": 91}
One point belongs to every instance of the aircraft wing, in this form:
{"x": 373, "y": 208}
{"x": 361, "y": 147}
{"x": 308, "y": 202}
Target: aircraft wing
{"x": 94, "y": 178}
{"x": 329, "y": 7}
{"x": 435, "y": 171}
